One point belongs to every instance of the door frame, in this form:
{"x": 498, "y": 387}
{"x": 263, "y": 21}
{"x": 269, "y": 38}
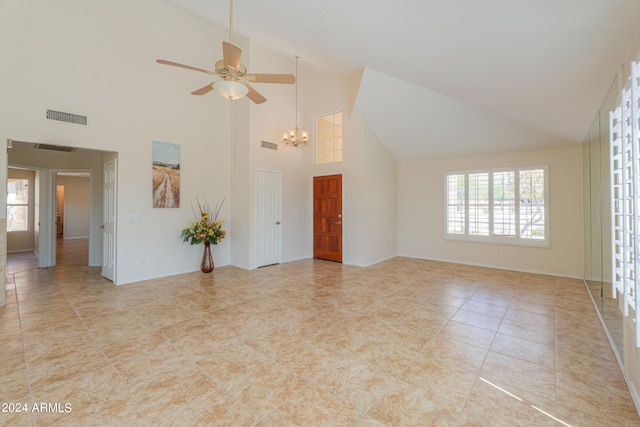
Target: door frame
{"x": 57, "y": 172}
{"x": 51, "y": 213}
{"x": 257, "y": 216}
{"x": 312, "y": 209}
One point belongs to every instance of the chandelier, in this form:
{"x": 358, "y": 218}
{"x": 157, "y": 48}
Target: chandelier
{"x": 296, "y": 137}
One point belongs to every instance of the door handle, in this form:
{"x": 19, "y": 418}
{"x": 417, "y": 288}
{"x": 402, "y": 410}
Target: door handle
{"x": 277, "y": 222}
{"x": 102, "y": 226}
{"x": 339, "y": 222}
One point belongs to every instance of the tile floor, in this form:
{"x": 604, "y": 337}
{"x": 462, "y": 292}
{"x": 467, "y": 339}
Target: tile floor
{"x": 310, "y": 343}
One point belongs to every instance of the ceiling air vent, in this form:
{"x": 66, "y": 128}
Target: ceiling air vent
{"x": 66, "y": 117}
{"x": 270, "y": 145}
{"x": 55, "y": 148}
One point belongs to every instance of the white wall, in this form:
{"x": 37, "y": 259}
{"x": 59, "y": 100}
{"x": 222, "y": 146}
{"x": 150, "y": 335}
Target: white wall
{"x": 421, "y": 214}
{"x": 98, "y": 59}
{"x": 381, "y": 205}
{"x": 318, "y": 94}
{"x": 76, "y": 210}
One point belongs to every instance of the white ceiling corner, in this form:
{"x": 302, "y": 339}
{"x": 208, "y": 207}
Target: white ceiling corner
{"x": 456, "y": 77}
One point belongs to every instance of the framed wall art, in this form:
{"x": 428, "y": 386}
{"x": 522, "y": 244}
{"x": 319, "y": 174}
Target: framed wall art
{"x": 166, "y": 175}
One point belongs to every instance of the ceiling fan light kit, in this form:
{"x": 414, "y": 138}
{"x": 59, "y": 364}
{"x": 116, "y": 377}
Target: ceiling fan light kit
{"x": 230, "y": 89}
{"x": 232, "y": 72}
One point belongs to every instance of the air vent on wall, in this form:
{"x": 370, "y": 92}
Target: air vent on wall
{"x": 55, "y": 148}
{"x": 270, "y": 145}
{"x": 66, "y": 117}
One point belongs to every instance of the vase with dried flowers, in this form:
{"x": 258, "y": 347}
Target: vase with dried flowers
{"x": 207, "y": 229}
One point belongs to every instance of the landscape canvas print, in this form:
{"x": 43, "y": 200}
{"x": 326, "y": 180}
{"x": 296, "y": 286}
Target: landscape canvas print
{"x": 166, "y": 175}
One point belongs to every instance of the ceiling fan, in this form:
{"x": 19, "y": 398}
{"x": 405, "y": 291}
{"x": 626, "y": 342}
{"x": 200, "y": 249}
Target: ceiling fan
{"x": 234, "y": 83}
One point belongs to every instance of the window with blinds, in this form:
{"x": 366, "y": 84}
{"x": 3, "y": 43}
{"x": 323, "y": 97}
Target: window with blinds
{"x": 625, "y": 193}
{"x": 17, "y": 205}
{"x": 498, "y": 205}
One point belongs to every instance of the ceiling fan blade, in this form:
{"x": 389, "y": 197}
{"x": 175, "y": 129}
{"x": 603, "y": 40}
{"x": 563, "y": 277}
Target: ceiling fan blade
{"x": 271, "y": 78}
{"x": 254, "y": 95}
{"x": 231, "y": 55}
{"x": 205, "y": 89}
{"x": 188, "y": 67}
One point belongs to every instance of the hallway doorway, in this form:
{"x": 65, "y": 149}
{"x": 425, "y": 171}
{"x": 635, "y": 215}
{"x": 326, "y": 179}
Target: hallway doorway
{"x": 68, "y": 253}
{"x": 80, "y": 215}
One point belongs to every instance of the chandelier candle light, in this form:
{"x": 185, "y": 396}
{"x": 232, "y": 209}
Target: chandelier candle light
{"x": 296, "y": 137}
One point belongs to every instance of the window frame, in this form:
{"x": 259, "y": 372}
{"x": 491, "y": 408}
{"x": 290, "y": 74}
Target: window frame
{"x": 25, "y": 205}
{"x": 492, "y": 237}
{"x": 324, "y": 140}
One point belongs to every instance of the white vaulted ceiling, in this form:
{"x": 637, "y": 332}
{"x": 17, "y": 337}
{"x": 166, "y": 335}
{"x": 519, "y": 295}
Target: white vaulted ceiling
{"x": 444, "y": 78}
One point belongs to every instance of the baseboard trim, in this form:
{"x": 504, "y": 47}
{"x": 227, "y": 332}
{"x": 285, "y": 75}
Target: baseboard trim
{"x": 497, "y": 267}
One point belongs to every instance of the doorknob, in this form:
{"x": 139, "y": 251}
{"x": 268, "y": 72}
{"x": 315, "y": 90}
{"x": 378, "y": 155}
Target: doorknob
{"x": 102, "y": 226}
{"x": 277, "y": 222}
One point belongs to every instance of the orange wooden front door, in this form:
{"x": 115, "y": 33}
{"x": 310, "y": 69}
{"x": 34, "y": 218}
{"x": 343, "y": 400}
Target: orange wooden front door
{"x": 327, "y": 217}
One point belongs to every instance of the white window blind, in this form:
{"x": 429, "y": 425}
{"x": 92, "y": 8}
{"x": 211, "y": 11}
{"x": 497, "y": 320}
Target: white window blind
{"x": 625, "y": 188}
{"x": 456, "y": 204}
{"x": 504, "y": 209}
{"x": 506, "y": 205}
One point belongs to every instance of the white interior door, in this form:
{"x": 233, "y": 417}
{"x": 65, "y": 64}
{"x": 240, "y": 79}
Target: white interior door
{"x": 109, "y": 221}
{"x": 269, "y": 207}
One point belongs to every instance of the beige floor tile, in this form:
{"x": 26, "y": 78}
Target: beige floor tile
{"x": 577, "y": 367}
{"x": 528, "y": 331}
{"x": 310, "y": 360}
{"x": 494, "y": 298}
{"x": 316, "y": 405}
{"x": 469, "y": 334}
{"x": 581, "y": 401}
{"x": 530, "y": 318}
{"x": 194, "y": 326}
{"x": 480, "y": 320}
{"x": 491, "y": 405}
{"x": 15, "y": 385}
{"x": 215, "y": 408}
{"x": 530, "y": 351}
{"x": 404, "y": 342}
{"x": 489, "y": 308}
{"x": 357, "y": 383}
{"x": 18, "y": 413}
{"x": 81, "y": 392}
{"x": 12, "y": 354}
{"x": 508, "y": 372}
{"x": 55, "y": 371}
{"x": 405, "y": 404}
{"x": 117, "y": 411}
{"x": 267, "y": 386}
{"x": 162, "y": 393}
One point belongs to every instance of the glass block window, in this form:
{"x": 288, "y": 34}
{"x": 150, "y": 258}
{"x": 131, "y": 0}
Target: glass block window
{"x": 328, "y": 130}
